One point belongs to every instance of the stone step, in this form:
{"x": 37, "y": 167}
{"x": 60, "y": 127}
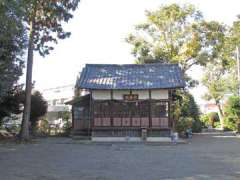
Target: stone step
{"x": 81, "y": 132}
{"x": 77, "y": 137}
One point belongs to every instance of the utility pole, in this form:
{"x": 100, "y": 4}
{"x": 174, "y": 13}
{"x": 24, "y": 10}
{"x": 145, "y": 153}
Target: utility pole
{"x": 238, "y": 69}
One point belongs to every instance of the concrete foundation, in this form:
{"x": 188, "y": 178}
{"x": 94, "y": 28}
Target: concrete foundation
{"x": 130, "y": 139}
{"x": 116, "y": 139}
{"x": 158, "y": 139}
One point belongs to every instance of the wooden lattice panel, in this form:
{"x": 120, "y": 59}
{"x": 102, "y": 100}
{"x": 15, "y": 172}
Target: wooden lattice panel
{"x": 164, "y": 122}
{"x": 106, "y": 122}
{"x": 145, "y": 122}
{"x": 155, "y": 122}
{"x": 97, "y": 122}
{"x": 117, "y": 121}
{"x": 126, "y": 121}
{"x": 136, "y": 121}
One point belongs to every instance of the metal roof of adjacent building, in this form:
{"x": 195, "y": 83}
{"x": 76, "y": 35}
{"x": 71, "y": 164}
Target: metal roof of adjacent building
{"x": 131, "y": 76}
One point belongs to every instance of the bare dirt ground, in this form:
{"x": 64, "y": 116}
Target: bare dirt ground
{"x": 204, "y": 157}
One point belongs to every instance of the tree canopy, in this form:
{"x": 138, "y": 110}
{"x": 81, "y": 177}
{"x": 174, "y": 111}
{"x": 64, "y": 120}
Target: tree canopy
{"x": 13, "y": 102}
{"x": 235, "y": 33}
{"x": 46, "y": 18}
{"x": 220, "y": 75}
{"x": 38, "y": 107}
{"x": 215, "y": 83}
{"x": 176, "y": 34}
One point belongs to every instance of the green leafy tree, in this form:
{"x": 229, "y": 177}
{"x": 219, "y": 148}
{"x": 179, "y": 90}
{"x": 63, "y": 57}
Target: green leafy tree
{"x": 189, "y": 107}
{"x": 44, "y": 20}
{"x": 219, "y": 77}
{"x": 235, "y": 34}
{"x": 38, "y": 108}
{"x": 11, "y": 103}
{"x": 216, "y": 83}
{"x": 232, "y": 111}
{"x": 220, "y": 74}
{"x": 234, "y": 42}
{"x": 15, "y": 99}
{"x": 184, "y": 108}
{"x": 176, "y": 34}
{"x": 12, "y": 46}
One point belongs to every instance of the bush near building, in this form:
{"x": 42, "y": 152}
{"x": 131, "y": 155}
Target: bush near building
{"x": 186, "y": 110}
{"x": 183, "y": 124}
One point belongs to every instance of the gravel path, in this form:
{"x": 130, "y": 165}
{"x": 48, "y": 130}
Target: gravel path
{"x": 205, "y": 157}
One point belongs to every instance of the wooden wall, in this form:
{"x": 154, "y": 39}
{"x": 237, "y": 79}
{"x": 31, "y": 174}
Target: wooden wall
{"x": 115, "y": 112}
{"x": 118, "y": 94}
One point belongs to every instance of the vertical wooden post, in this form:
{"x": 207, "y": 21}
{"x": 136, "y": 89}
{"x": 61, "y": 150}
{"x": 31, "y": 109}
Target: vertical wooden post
{"x": 111, "y": 108}
{"x": 150, "y": 108}
{"x": 130, "y": 110}
{"x": 170, "y": 123}
{"x": 91, "y": 119}
{"x": 73, "y": 123}
{"x": 172, "y": 115}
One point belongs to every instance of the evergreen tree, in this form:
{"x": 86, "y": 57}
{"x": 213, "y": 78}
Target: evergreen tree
{"x": 12, "y": 45}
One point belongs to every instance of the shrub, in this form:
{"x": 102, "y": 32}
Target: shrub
{"x": 217, "y": 125}
{"x": 209, "y": 119}
{"x": 213, "y": 117}
{"x": 204, "y": 120}
{"x": 185, "y": 108}
{"x": 197, "y": 125}
{"x": 67, "y": 128}
{"x": 232, "y": 113}
{"x": 188, "y": 106}
{"x": 43, "y": 128}
{"x": 183, "y": 124}
{"x": 230, "y": 124}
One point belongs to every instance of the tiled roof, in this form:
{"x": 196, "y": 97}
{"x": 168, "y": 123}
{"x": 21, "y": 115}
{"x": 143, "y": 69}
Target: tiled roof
{"x": 131, "y": 76}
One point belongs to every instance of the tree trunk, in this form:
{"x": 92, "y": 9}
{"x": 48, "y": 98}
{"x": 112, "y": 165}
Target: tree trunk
{"x": 24, "y": 133}
{"x": 220, "y": 116}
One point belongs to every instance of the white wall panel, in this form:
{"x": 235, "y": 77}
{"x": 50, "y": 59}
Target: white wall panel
{"x": 159, "y": 94}
{"x": 118, "y": 94}
{"x": 142, "y": 94}
{"x": 101, "y": 94}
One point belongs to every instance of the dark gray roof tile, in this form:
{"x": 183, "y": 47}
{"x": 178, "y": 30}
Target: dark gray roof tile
{"x": 131, "y": 76}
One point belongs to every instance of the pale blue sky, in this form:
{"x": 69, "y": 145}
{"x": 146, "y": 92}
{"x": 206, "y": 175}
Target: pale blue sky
{"x": 98, "y": 31}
